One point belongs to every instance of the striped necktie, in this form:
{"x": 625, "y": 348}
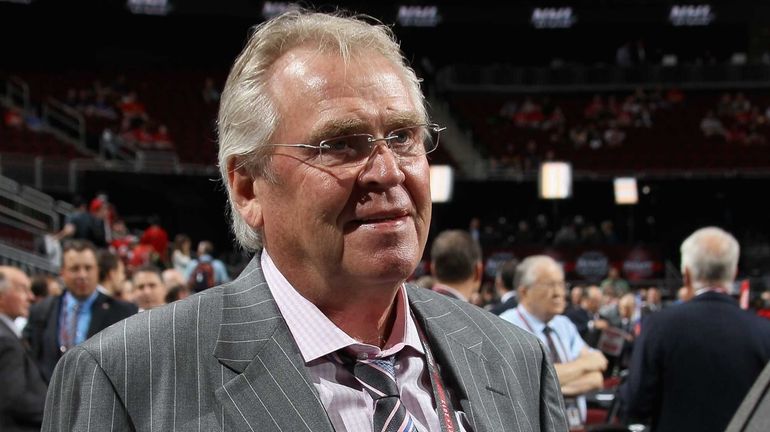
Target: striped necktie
{"x": 555, "y": 357}
{"x": 378, "y": 377}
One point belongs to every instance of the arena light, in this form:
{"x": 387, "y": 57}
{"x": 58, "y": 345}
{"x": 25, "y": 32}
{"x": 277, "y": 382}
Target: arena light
{"x": 441, "y": 183}
{"x": 691, "y": 15}
{"x": 555, "y": 180}
{"x": 553, "y": 17}
{"x": 418, "y": 16}
{"x": 626, "y": 191}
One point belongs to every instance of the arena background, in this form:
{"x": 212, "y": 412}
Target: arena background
{"x": 474, "y": 57}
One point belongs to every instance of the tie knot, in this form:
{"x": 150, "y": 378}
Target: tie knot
{"x": 377, "y": 376}
{"x": 547, "y": 330}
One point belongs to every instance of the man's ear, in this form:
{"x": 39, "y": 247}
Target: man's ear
{"x": 478, "y": 272}
{"x": 687, "y": 281}
{"x": 243, "y": 192}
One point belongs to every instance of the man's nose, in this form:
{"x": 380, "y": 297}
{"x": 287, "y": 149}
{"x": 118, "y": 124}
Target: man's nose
{"x": 382, "y": 168}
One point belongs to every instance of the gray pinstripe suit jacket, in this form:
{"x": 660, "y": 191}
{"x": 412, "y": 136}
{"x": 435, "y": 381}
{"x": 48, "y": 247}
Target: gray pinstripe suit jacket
{"x": 225, "y": 360}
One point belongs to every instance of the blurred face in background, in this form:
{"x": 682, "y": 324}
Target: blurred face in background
{"x": 575, "y": 295}
{"x": 117, "y": 276}
{"x": 17, "y": 295}
{"x": 54, "y": 287}
{"x": 149, "y": 291}
{"x": 126, "y": 292}
{"x": 80, "y": 272}
{"x": 545, "y": 297}
{"x": 626, "y": 306}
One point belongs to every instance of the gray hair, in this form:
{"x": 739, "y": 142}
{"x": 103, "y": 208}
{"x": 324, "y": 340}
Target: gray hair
{"x": 711, "y": 254}
{"x": 526, "y": 272}
{"x": 248, "y": 116}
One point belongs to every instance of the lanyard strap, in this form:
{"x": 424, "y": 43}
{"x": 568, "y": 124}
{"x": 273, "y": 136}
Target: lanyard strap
{"x": 531, "y": 330}
{"x": 444, "y": 407}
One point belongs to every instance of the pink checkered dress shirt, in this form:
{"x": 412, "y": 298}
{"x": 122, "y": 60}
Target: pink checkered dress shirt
{"x": 350, "y": 408}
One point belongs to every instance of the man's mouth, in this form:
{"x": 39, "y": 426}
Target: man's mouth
{"x": 382, "y": 218}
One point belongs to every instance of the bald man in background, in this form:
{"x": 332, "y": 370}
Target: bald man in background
{"x": 22, "y": 388}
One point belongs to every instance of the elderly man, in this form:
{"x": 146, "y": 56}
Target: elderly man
{"x": 61, "y": 322}
{"x": 694, "y": 363}
{"x": 542, "y": 291}
{"x": 22, "y": 389}
{"x": 323, "y": 135}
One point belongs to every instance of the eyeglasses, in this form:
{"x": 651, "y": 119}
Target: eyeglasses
{"x": 553, "y": 285}
{"x": 355, "y": 149}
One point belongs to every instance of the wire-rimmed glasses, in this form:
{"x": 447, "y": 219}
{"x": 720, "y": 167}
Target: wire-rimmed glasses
{"x": 355, "y": 149}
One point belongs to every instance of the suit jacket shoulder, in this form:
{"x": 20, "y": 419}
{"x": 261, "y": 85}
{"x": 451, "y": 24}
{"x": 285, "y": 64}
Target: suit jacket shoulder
{"x": 106, "y": 311}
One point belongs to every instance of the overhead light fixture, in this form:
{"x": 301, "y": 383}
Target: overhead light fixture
{"x": 626, "y": 191}
{"x": 441, "y": 183}
{"x": 555, "y": 180}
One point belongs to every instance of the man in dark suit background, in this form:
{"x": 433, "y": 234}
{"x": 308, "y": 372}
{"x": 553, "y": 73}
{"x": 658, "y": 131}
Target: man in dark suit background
{"x": 504, "y": 287}
{"x": 694, "y": 363}
{"x": 456, "y": 265}
{"x": 59, "y": 323}
{"x": 22, "y": 389}
{"x": 586, "y": 316}
{"x": 323, "y": 136}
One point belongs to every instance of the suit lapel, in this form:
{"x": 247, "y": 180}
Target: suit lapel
{"x": 51, "y": 332}
{"x": 100, "y": 310}
{"x": 470, "y": 367}
{"x": 269, "y": 387}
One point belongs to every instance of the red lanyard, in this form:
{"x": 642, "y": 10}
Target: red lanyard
{"x": 529, "y": 327}
{"x": 443, "y": 404}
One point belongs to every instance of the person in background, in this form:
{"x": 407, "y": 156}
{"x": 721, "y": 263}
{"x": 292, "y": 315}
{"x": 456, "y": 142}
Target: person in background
{"x": 112, "y": 273}
{"x": 22, "y": 388}
{"x": 156, "y": 236}
{"x": 180, "y": 256}
{"x": 693, "y": 364}
{"x": 44, "y": 286}
{"x": 542, "y": 290}
{"x": 205, "y": 271}
{"x": 587, "y": 319}
{"x": 615, "y": 283}
{"x": 456, "y": 266}
{"x": 505, "y": 288}
{"x": 57, "y": 324}
{"x": 149, "y": 289}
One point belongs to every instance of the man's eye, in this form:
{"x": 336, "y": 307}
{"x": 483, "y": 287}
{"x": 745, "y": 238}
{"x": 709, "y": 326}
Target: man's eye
{"x": 339, "y": 144}
{"x": 401, "y": 137}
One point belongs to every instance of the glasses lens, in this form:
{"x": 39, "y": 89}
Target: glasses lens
{"x": 345, "y": 150}
{"x": 351, "y": 150}
{"x": 414, "y": 140}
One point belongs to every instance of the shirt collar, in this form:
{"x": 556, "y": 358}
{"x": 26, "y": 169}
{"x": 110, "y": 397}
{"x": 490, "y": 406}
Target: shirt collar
{"x": 317, "y": 336}
{"x": 70, "y": 300}
{"x": 443, "y": 289}
{"x": 9, "y": 322}
{"x": 505, "y": 297}
{"x": 537, "y": 325}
